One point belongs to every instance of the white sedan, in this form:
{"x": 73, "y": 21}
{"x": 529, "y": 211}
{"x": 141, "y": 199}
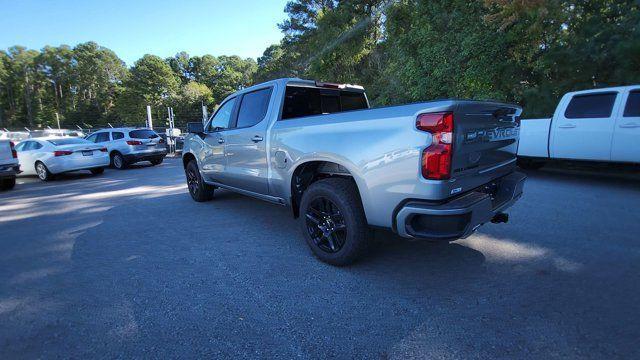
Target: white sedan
{"x": 46, "y": 157}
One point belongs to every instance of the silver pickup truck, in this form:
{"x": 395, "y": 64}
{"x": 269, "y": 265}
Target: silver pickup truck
{"x": 432, "y": 170}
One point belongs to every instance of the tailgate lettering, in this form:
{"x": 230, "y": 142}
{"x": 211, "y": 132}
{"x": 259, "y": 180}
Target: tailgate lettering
{"x": 489, "y": 135}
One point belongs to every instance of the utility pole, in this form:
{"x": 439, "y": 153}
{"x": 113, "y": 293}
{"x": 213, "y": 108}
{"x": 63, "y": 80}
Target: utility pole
{"x": 149, "y": 120}
{"x": 205, "y": 114}
{"x": 58, "y": 120}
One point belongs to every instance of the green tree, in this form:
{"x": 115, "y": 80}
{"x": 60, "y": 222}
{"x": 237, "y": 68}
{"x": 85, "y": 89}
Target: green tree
{"x": 151, "y": 82}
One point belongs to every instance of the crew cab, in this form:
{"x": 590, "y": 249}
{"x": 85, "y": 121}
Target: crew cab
{"x": 598, "y": 125}
{"x": 432, "y": 170}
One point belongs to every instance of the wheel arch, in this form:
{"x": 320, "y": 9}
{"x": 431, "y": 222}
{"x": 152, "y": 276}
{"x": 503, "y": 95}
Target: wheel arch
{"x": 309, "y": 171}
{"x": 186, "y": 159}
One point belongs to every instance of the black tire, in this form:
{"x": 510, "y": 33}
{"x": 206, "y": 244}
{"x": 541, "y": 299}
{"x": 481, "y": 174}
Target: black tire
{"x": 338, "y": 235}
{"x": 43, "y": 172}
{"x": 198, "y": 189}
{"x": 97, "y": 171}
{"x": 118, "y": 162}
{"x": 155, "y": 162}
{"x": 530, "y": 164}
{"x": 7, "y": 183}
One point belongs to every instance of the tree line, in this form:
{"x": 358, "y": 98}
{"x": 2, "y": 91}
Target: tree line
{"x": 525, "y": 51}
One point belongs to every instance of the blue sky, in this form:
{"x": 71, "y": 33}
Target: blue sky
{"x": 136, "y": 27}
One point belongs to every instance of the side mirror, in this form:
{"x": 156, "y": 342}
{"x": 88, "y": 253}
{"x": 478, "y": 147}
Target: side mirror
{"x": 195, "y": 128}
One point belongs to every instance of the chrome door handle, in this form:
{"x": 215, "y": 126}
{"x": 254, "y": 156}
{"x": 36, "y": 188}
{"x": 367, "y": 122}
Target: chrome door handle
{"x": 630, "y": 125}
{"x": 220, "y": 141}
{"x": 257, "y": 138}
{"x": 567, "y": 126}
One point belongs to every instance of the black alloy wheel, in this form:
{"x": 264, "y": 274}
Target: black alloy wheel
{"x": 326, "y": 225}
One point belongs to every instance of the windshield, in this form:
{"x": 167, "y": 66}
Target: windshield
{"x": 68, "y": 141}
{"x": 143, "y": 134}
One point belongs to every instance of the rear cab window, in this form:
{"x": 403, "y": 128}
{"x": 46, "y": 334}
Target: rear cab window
{"x": 143, "y": 134}
{"x": 301, "y": 101}
{"x": 591, "y": 106}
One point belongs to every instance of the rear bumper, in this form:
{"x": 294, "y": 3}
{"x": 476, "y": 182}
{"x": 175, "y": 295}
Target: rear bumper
{"x": 145, "y": 156}
{"x": 9, "y": 170}
{"x": 461, "y": 216}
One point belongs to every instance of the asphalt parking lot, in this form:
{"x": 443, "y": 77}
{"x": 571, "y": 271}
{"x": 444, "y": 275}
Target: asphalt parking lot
{"x": 126, "y": 265}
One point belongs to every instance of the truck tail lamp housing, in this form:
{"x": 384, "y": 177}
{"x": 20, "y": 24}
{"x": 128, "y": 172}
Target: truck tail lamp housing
{"x": 14, "y": 153}
{"x": 436, "y": 158}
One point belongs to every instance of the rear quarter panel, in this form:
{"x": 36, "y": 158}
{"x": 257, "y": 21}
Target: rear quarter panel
{"x": 381, "y": 148}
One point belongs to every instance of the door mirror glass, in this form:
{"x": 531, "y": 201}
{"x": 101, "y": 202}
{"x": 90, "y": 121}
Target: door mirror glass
{"x": 195, "y": 128}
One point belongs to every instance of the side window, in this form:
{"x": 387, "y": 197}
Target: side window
{"x": 253, "y": 107}
{"x": 223, "y": 116}
{"x": 591, "y": 106}
{"x": 102, "y": 137}
{"x": 92, "y": 137}
{"x": 117, "y": 135}
{"x": 35, "y": 145}
{"x": 632, "y": 109}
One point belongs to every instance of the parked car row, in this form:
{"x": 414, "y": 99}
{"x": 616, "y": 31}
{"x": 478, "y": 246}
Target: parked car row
{"x": 48, "y": 156}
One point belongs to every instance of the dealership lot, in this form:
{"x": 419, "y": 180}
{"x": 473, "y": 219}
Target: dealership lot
{"x": 125, "y": 264}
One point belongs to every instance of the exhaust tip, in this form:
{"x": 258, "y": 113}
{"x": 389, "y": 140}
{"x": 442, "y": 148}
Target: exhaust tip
{"x": 500, "y": 218}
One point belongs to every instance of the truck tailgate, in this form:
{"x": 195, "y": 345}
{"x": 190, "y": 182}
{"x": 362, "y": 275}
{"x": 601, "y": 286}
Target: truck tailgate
{"x": 485, "y": 140}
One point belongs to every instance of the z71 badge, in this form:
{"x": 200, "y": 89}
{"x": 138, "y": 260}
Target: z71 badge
{"x": 497, "y": 134}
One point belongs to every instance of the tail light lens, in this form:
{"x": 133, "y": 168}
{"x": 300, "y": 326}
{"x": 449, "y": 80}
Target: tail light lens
{"x": 134, "y": 142}
{"x": 103, "y": 149}
{"x": 436, "y": 158}
{"x": 62, "y": 153}
{"x": 14, "y": 153}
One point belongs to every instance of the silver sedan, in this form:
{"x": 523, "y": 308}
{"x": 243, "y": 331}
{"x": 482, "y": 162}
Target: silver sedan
{"x": 49, "y": 156}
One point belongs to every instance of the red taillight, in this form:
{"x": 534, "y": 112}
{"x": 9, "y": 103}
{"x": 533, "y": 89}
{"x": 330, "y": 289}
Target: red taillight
{"x": 14, "y": 153}
{"x": 134, "y": 142}
{"x": 103, "y": 149}
{"x": 436, "y": 158}
{"x": 62, "y": 152}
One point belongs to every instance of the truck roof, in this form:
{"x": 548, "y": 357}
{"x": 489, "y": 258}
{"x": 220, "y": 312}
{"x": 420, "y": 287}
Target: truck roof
{"x": 614, "y": 88}
{"x": 295, "y": 81}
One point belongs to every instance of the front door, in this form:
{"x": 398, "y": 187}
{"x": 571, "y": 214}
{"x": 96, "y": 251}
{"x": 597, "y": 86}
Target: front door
{"x": 213, "y": 161}
{"x": 246, "y": 152}
{"x": 585, "y": 129}
{"x": 626, "y": 135}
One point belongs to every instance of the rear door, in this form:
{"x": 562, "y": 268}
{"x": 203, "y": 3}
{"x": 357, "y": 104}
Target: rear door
{"x": 626, "y": 134}
{"x": 245, "y": 147}
{"x": 583, "y": 131}
{"x": 28, "y": 152}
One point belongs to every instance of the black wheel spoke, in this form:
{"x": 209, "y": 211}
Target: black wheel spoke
{"x": 325, "y": 224}
{"x": 331, "y": 241}
{"x": 313, "y": 218}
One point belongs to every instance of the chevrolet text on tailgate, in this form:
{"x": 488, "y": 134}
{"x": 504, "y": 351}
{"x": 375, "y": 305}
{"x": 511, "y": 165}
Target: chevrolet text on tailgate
{"x": 433, "y": 170}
